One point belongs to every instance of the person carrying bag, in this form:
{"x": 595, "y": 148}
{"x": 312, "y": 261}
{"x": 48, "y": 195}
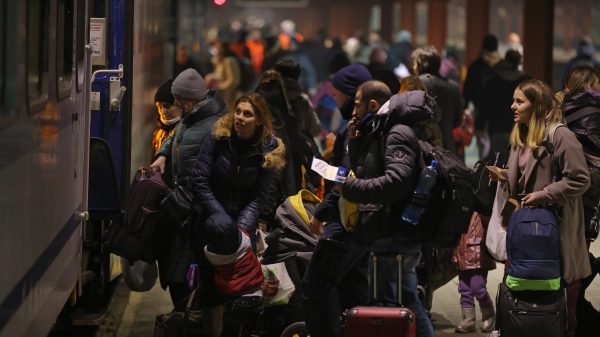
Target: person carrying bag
{"x": 548, "y": 167}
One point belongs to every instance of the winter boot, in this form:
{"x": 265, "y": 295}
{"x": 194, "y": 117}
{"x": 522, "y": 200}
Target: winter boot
{"x": 488, "y": 319}
{"x": 468, "y": 322}
{"x": 212, "y": 319}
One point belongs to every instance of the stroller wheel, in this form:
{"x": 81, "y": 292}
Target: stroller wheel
{"x": 297, "y": 329}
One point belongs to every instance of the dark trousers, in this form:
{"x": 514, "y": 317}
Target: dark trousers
{"x": 294, "y": 312}
{"x": 335, "y": 280}
{"x": 210, "y": 296}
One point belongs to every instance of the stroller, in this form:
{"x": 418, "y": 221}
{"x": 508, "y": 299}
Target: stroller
{"x": 291, "y": 242}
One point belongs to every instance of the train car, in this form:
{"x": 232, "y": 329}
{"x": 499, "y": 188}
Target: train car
{"x": 74, "y": 123}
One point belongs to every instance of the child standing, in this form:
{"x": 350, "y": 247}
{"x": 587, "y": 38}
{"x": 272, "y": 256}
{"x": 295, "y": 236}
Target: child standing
{"x": 474, "y": 262}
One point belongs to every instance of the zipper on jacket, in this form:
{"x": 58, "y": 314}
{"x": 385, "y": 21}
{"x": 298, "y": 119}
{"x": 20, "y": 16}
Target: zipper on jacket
{"x": 174, "y": 163}
{"x": 297, "y": 232}
{"x": 234, "y": 179}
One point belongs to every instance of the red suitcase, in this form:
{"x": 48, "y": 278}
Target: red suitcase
{"x": 139, "y": 238}
{"x": 381, "y": 321}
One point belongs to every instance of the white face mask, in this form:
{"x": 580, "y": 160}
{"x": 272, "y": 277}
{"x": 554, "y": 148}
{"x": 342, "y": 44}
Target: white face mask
{"x": 170, "y": 121}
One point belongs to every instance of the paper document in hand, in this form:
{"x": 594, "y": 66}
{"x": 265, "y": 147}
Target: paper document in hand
{"x": 329, "y": 172}
{"x": 497, "y": 171}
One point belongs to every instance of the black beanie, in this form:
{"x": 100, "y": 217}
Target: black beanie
{"x": 222, "y": 234}
{"x": 348, "y": 79}
{"x": 163, "y": 94}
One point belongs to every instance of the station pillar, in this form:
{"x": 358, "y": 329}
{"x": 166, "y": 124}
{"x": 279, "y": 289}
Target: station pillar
{"x": 408, "y": 16}
{"x": 538, "y": 33}
{"x": 478, "y": 22}
{"x": 436, "y": 23}
{"x": 387, "y": 22}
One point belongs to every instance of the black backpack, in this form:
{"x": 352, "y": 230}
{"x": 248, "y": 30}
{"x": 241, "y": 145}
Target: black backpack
{"x": 486, "y": 188}
{"x": 451, "y": 201}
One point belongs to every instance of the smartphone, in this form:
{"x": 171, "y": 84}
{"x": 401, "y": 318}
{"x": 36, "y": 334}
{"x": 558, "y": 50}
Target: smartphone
{"x": 520, "y": 197}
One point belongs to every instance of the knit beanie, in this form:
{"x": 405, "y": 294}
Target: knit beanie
{"x": 189, "y": 84}
{"x": 222, "y": 234}
{"x": 163, "y": 94}
{"x": 349, "y": 78}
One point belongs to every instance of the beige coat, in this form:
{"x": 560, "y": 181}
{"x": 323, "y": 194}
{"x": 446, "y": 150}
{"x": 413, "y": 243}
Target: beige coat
{"x": 566, "y": 193}
{"x": 227, "y": 71}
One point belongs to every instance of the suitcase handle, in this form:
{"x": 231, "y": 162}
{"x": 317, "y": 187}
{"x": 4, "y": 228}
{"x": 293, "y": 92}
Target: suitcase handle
{"x": 374, "y": 276}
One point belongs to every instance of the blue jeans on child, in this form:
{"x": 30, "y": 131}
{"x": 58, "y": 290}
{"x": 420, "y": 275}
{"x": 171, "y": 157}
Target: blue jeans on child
{"x": 387, "y": 278}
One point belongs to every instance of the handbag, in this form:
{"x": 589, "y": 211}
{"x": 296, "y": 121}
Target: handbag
{"x": 495, "y": 240}
{"x": 139, "y": 276}
{"x": 176, "y": 207}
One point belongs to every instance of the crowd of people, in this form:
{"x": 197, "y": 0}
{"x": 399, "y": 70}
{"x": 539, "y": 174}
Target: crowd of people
{"x": 241, "y": 154}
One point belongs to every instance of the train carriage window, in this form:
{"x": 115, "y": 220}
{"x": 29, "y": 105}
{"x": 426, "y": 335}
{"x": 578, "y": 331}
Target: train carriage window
{"x": 80, "y": 44}
{"x": 64, "y": 48}
{"x": 38, "y": 40}
{"x": 2, "y": 50}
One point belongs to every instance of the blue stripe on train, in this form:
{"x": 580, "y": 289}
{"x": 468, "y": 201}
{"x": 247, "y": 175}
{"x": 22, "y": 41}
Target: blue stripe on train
{"x": 20, "y": 292}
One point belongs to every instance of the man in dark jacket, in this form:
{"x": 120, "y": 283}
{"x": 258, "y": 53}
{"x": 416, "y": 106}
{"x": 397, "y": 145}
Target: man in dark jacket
{"x": 200, "y": 108}
{"x": 301, "y": 108}
{"x": 497, "y": 100}
{"x": 427, "y": 63}
{"x": 330, "y": 285}
{"x": 385, "y": 156}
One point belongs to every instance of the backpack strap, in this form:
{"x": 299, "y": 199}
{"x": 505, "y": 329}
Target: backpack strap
{"x": 551, "y": 137}
{"x": 582, "y": 113}
{"x": 555, "y": 171}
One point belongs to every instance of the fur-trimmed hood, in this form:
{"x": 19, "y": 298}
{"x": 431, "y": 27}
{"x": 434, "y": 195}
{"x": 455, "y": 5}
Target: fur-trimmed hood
{"x": 272, "y": 149}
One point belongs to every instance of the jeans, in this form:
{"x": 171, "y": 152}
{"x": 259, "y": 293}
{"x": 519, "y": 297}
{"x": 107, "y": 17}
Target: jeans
{"x": 335, "y": 280}
{"x": 387, "y": 279}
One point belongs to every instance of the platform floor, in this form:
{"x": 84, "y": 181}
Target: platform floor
{"x": 140, "y": 309}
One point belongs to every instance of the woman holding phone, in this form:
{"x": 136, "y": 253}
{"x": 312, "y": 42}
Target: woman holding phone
{"x": 550, "y": 177}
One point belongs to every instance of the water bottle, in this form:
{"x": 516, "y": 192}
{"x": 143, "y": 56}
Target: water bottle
{"x": 415, "y": 209}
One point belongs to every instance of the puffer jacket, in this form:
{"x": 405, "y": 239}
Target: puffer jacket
{"x": 386, "y": 161}
{"x": 224, "y": 183}
{"x": 183, "y": 146}
{"x": 586, "y": 129}
{"x": 471, "y": 252}
{"x": 161, "y": 134}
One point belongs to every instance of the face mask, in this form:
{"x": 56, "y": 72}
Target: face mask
{"x": 347, "y": 109}
{"x": 170, "y": 121}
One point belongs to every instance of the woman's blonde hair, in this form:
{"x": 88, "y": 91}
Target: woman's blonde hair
{"x": 546, "y": 115}
{"x": 411, "y": 83}
{"x": 581, "y": 78}
{"x": 262, "y": 113}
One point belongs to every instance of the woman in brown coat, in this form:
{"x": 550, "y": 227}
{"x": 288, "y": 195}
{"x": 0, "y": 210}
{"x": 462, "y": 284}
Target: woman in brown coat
{"x": 530, "y": 171}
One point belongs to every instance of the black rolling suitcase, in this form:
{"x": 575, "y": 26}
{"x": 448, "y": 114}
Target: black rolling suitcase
{"x": 530, "y": 313}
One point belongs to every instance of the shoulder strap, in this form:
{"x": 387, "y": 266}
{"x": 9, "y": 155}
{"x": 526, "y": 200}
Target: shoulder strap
{"x": 582, "y": 113}
{"x": 551, "y": 137}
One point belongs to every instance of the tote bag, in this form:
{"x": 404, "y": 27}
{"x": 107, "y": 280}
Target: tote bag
{"x": 277, "y": 287}
{"x": 496, "y": 233}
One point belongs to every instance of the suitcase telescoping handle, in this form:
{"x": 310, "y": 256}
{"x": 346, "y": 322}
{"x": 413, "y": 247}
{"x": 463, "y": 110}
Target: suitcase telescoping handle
{"x": 398, "y": 284}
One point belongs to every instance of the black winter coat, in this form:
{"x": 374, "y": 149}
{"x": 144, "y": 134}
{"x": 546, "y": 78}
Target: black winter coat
{"x": 224, "y": 182}
{"x": 386, "y": 162}
{"x": 586, "y": 129}
{"x": 182, "y": 148}
{"x": 447, "y": 96}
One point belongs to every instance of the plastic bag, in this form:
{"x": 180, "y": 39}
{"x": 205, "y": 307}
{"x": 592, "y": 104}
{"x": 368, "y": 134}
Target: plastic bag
{"x": 140, "y": 276}
{"x": 496, "y": 233}
{"x": 277, "y": 287}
